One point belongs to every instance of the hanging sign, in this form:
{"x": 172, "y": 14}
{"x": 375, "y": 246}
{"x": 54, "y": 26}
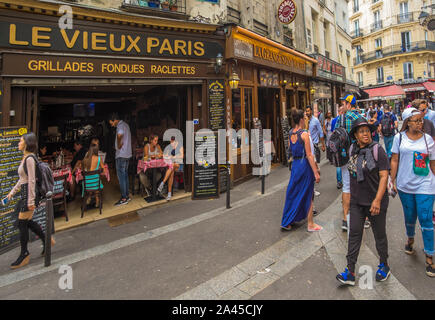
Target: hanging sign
{"x": 287, "y": 11}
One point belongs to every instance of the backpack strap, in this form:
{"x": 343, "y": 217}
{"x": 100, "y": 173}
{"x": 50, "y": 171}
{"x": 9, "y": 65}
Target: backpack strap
{"x": 425, "y": 141}
{"x": 376, "y": 151}
{"x": 25, "y": 162}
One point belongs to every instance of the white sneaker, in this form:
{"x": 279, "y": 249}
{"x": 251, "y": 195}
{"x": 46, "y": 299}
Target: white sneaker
{"x": 316, "y": 193}
{"x": 160, "y": 188}
{"x": 168, "y": 198}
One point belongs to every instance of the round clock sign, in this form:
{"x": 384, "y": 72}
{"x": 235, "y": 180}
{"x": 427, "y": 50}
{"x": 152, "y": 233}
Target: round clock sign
{"x": 287, "y": 11}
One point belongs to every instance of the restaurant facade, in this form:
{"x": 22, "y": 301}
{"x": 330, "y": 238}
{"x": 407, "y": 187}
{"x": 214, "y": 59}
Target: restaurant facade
{"x": 272, "y": 80}
{"x": 156, "y": 73}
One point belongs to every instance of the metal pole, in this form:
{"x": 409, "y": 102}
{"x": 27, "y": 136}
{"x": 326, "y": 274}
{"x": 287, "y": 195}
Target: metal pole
{"x": 263, "y": 180}
{"x": 228, "y": 185}
{"x": 48, "y": 228}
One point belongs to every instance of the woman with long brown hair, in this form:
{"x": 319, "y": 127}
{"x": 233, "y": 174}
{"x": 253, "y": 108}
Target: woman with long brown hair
{"x": 300, "y": 191}
{"x": 27, "y": 184}
{"x": 92, "y": 162}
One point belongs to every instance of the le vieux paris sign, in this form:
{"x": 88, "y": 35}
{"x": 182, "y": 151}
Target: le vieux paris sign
{"x": 82, "y": 41}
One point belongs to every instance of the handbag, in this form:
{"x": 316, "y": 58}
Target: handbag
{"x": 420, "y": 163}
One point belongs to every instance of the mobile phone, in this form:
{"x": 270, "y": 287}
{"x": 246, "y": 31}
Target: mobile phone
{"x": 5, "y": 201}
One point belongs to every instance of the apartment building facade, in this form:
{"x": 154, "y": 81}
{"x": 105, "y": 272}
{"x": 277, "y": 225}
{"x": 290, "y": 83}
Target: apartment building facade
{"x": 392, "y": 49}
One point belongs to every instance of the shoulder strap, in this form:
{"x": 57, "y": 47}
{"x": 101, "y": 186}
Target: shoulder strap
{"x": 25, "y": 162}
{"x": 376, "y": 151}
{"x": 425, "y": 141}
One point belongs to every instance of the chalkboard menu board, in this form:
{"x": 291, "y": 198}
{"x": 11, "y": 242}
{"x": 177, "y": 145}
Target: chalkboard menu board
{"x": 205, "y": 170}
{"x": 285, "y": 129}
{"x": 216, "y": 107}
{"x": 40, "y": 216}
{"x": 10, "y": 159}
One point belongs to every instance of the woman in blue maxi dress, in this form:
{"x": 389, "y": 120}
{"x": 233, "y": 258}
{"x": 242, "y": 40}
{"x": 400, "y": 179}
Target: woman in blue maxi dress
{"x": 299, "y": 197}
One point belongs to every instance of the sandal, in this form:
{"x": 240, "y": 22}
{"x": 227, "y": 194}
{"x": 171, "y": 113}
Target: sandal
{"x": 430, "y": 270}
{"x": 288, "y": 228}
{"x": 408, "y": 247}
{"x": 318, "y": 228}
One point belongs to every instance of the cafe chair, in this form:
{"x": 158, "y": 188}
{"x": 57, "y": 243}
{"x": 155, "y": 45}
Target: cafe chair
{"x": 59, "y": 193}
{"x": 92, "y": 185}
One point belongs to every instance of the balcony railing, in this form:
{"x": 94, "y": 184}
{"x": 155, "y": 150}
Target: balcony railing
{"x": 408, "y": 76}
{"x": 406, "y": 17}
{"x": 155, "y": 7}
{"x": 356, "y": 34}
{"x": 394, "y": 50}
{"x": 376, "y": 26}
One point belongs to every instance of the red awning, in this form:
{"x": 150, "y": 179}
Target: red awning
{"x": 430, "y": 86}
{"x": 413, "y": 87}
{"x": 386, "y": 93}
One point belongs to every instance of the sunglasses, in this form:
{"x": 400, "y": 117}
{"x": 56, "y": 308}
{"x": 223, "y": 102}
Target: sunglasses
{"x": 416, "y": 121}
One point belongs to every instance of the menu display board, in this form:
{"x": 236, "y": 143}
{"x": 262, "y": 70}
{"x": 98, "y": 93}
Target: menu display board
{"x": 10, "y": 159}
{"x": 205, "y": 169}
{"x": 216, "y": 107}
{"x": 285, "y": 129}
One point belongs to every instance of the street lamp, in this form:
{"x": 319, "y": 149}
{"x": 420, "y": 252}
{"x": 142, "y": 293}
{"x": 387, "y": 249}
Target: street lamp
{"x": 234, "y": 81}
{"x": 219, "y": 62}
{"x": 423, "y": 16}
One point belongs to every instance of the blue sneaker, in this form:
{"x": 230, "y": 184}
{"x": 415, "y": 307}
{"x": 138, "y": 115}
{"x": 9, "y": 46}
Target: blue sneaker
{"x": 346, "y": 277}
{"x": 383, "y": 272}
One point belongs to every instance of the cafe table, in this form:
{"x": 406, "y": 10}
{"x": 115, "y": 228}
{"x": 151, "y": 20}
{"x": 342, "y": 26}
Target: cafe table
{"x": 153, "y": 164}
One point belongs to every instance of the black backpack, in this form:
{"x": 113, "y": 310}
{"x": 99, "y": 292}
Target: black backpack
{"x": 387, "y": 125}
{"x": 338, "y": 146}
{"x": 44, "y": 179}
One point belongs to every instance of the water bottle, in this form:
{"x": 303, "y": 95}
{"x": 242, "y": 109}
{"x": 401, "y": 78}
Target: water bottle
{"x": 343, "y": 153}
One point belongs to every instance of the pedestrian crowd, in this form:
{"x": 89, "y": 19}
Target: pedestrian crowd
{"x": 367, "y": 174}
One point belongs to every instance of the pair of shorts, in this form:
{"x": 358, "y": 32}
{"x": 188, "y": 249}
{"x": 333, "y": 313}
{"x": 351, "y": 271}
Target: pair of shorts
{"x": 345, "y": 179}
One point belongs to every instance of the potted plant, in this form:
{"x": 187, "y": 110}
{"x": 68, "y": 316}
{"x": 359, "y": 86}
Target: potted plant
{"x": 173, "y": 5}
{"x": 154, "y": 3}
{"x": 165, "y": 5}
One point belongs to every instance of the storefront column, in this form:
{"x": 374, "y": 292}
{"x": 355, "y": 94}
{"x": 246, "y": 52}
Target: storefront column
{"x": 6, "y": 102}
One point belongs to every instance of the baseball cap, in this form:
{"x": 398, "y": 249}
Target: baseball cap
{"x": 409, "y": 112}
{"x": 350, "y": 98}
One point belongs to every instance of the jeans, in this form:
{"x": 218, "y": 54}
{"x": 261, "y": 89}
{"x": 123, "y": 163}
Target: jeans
{"x": 388, "y": 145}
{"x": 419, "y": 205}
{"x": 339, "y": 178}
{"x": 122, "y": 172}
{"x": 358, "y": 216}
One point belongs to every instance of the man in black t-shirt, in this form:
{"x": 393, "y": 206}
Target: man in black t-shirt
{"x": 368, "y": 171}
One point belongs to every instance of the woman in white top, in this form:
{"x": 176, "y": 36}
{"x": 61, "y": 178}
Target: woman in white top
{"x": 412, "y": 174}
{"x": 152, "y": 151}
